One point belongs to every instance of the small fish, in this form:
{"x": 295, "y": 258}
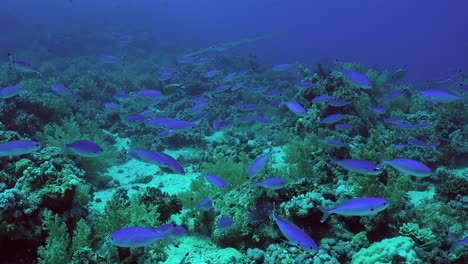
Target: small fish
{"x": 282, "y": 67}
{"x": 379, "y": 110}
{"x": 331, "y": 119}
{"x": 457, "y": 242}
{"x": 409, "y": 166}
{"x": 400, "y": 146}
{"x": 304, "y": 84}
{"x": 222, "y": 88}
{"x": 199, "y": 116}
{"x": 111, "y": 106}
{"x": 216, "y": 180}
{"x": 60, "y": 89}
{"x": 185, "y": 59}
{"x": 403, "y": 125}
{"x": 225, "y": 223}
{"x": 338, "y": 102}
{"x": 272, "y": 183}
{"x": 358, "y": 79}
{"x": 296, "y": 108}
{"x": 273, "y": 93}
{"x": 170, "y": 123}
{"x": 164, "y": 76}
{"x": 24, "y": 66}
{"x": 322, "y": 99}
{"x": 359, "y": 166}
{"x": 342, "y": 126}
{"x": 137, "y": 118}
{"x": 18, "y": 147}
{"x": 84, "y": 148}
{"x": 260, "y": 89}
{"x": 202, "y": 61}
{"x": 230, "y": 76}
{"x": 393, "y": 120}
{"x": 157, "y": 158}
{"x": 196, "y": 109}
{"x": 237, "y": 86}
{"x": 399, "y": 74}
{"x": 258, "y": 165}
{"x": 366, "y": 206}
{"x": 205, "y": 205}
{"x": 149, "y": 93}
{"x": 132, "y": 237}
{"x": 220, "y": 124}
{"x": 167, "y": 70}
{"x": 393, "y": 95}
{"x": 295, "y": 235}
{"x": 172, "y": 89}
{"x": 438, "y": 96}
{"x": 110, "y": 59}
{"x": 121, "y": 95}
{"x": 211, "y": 73}
{"x": 9, "y": 91}
{"x": 336, "y": 143}
{"x": 245, "y": 107}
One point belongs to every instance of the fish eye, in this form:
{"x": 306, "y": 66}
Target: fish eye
{"x": 384, "y": 203}
{"x": 372, "y": 209}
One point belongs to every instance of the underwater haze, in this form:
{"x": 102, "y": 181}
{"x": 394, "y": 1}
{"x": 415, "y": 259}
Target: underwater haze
{"x": 429, "y": 37}
{"x": 203, "y": 131}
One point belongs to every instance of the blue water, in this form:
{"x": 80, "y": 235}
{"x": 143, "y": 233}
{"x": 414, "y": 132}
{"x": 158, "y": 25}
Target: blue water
{"x": 429, "y": 37}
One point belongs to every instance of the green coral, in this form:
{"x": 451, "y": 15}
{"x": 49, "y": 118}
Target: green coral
{"x": 55, "y": 249}
{"x": 423, "y": 236}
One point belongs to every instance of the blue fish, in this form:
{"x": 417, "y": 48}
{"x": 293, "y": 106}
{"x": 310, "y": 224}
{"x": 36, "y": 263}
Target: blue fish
{"x": 225, "y": 223}
{"x": 237, "y": 86}
{"x": 393, "y": 120}
{"x": 222, "y": 88}
{"x": 358, "y": 79}
{"x": 378, "y": 110}
{"x": 158, "y": 158}
{"x": 336, "y": 143}
{"x": 296, "y": 108}
{"x": 272, "y": 183}
{"x": 9, "y": 91}
{"x": 137, "y": 118}
{"x": 457, "y": 242}
{"x": 338, "y": 102}
{"x": 211, "y": 73}
{"x": 60, "y": 89}
{"x": 131, "y": 237}
{"x": 295, "y": 235}
{"x": 439, "y": 96}
{"x": 282, "y": 67}
{"x": 111, "y": 105}
{"x": 84, "y": 148}
{"x": 110, "y": 58}
{"x": 304, "y": 84}
{"x": 196, "y": 109}
{"x": 205, "y": 205}
{"x": 199, "y": 116}
{"x": 258, "y": 165}
{"x": 216, "y": 180}
{"x": 359, "y": 166}
{"x": 331, "y": 119}
{"x": 164, "y": 76}
{"x": 18, "y": 147}
{"x": 230, "y": 76}
{"x": 322, "y": 99}
{"x": 167, "y": 70}
{"x": 185, "y": 59}
{"x": 366, "y": 206}
{"x": 342, "y": 126}
{"x": 409, "y": 166}
{"x": 149, "y": 93}
{"x": 393, "y": 95}
{"x": 220, "y": 124}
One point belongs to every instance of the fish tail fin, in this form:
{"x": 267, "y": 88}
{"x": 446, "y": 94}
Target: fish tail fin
{"x": 326, "y": 213}
{"x": 64, "y": 147}
{"x": 455, "y": 243}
